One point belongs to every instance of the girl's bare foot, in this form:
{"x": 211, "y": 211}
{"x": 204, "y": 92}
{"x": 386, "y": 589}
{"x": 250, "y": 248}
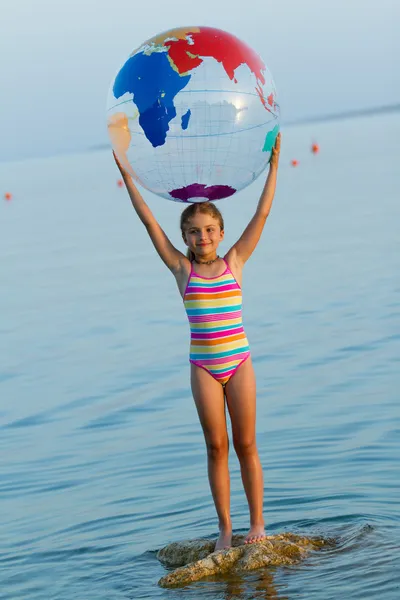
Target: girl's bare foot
{"x": 225, "y": 539}
{"x": 256, "y": 534}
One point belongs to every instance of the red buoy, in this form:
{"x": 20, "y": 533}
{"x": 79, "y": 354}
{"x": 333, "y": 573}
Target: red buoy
{"x": 294, "y": 163}
{"x": 315, "y": 148}
{"x": 120, "y": 183}
{"x": 7, "y": 196}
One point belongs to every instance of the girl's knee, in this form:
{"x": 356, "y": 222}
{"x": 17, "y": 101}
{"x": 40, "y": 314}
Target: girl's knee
{"x": 217, "y": 448}
{"x": 245, "y": 447}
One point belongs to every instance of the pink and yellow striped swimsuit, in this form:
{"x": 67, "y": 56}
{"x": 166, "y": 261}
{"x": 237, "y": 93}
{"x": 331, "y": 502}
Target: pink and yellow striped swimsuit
{"x": 218, "y": 342}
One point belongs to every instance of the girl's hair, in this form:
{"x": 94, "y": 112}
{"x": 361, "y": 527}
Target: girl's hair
{"x": 206, "y": 208}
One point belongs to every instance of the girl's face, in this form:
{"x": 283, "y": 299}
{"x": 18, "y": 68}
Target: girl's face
{"x": 203, "y": 234}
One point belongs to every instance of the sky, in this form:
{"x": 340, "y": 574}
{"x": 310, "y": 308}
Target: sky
{"x": 58, "y": 58}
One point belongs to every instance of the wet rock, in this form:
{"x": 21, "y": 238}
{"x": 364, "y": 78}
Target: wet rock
{"x": 196, "y": 559}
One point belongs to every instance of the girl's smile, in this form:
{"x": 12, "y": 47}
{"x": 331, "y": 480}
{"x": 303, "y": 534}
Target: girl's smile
{"x": 203, "y": 234}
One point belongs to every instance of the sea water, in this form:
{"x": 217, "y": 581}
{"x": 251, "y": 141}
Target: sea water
{"x": 102, "y": 459}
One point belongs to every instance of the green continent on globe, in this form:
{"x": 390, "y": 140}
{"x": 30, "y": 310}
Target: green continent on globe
{"x": 270, "y": 139}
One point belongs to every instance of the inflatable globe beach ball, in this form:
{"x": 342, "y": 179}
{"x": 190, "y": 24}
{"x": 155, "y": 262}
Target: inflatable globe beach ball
{"x": 192, "y": 114}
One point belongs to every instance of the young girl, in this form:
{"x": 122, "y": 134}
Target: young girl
{"x": 221, "y": 367}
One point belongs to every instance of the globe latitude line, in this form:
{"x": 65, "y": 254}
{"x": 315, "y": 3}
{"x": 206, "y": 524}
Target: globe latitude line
{"x": 205, "y": 135}
{"x": 192, "y": 92}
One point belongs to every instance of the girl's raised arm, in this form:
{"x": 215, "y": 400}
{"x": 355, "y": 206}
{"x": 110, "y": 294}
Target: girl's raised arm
{"x": 173, "y": 258}
{"x": 244, "y": 247}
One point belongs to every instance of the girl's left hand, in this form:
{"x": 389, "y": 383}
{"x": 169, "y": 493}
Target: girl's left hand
{"x": 120, "y": 167}
{"x": 274, "y": 160}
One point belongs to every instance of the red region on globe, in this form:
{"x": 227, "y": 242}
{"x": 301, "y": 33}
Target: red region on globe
{"x": 215, "y": 43}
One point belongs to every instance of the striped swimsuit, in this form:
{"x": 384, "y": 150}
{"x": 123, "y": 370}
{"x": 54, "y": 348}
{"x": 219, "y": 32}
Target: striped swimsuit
{"x": 218, "y": 342}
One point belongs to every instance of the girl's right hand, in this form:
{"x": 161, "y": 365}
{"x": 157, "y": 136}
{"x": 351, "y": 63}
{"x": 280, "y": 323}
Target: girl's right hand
{"x": 274, "y": 160}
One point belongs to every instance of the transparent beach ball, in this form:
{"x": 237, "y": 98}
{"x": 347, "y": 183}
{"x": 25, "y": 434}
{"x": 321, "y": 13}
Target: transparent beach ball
{"x": 192, "y": 114}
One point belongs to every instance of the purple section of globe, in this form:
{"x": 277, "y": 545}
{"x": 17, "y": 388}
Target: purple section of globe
{"x": 199, "y": 190}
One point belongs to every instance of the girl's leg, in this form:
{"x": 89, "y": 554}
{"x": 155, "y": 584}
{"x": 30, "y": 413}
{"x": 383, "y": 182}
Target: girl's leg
{"x": 209, "y": 397}
{"x": 241, "y": 399}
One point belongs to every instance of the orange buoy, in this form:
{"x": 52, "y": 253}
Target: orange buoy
{"x": 7, "y": 196}
{"x": 294, "y": 163}
{"x": 315, "y": 148}
{"x": 120, "y": 183}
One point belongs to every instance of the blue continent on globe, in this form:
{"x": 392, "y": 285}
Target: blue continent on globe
{"x": 154, "y": 85}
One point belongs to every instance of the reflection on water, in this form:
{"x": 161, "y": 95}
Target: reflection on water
{"x": 103, "y": 460}
{"x": 240, "y": 588}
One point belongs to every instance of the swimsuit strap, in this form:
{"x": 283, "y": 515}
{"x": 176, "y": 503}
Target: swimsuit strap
{"x": 227, "y": 266}
{"x": 188, "y": 281}
{"x": 229, "y": 269}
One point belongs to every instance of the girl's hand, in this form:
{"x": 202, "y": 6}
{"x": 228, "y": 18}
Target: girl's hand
{"x": 274, "y": 160}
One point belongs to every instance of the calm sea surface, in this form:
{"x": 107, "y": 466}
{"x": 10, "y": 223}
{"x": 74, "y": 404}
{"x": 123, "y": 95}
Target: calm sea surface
{"x": 102, "y": 459}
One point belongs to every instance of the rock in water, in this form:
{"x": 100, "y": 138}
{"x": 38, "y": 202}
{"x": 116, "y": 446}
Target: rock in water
{"x": 196, "y": 559}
